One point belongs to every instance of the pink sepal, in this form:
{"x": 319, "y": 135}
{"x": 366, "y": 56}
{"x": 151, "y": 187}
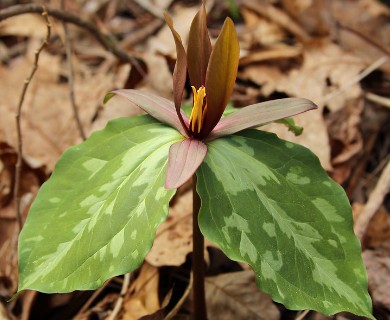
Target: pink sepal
{"x": 158, "y": 107}
{"x": 184, "y": 158}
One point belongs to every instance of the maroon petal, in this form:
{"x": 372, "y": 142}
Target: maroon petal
{"x": 180, "y": 71}
{"x": 221, "y": 75}
{"x": 199, "y": 49}
{"x": 184, "y": 158}
{"x": 260, "y": 113}
{"x": 157, "y": 107}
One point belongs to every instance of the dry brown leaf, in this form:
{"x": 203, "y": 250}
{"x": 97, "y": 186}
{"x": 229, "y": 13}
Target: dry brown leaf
{"x": 235, "y": 296}
{"x": 378, "y": 231}
{"x": 326, "y": 68}
{"x": 278, "y": 16}
{"x": 155, "y": 7}
{"x": 313, "y": 15}
{"x": 378, "y": 267}
{"x": 173, "y": 240}
{"x": 346, "y": 141}
{"x": 314, "y": 136}
{"x": 48, "y": 123}
{"x": 143, "y": 299}
{"x": 259, "y": 31}
{"x": 281, "y": 52}
{"x": 367, "y": 17}
{"x": 163, "y": 42}
{"x": 3, "y": 312}
{"x": 25, "y": 25}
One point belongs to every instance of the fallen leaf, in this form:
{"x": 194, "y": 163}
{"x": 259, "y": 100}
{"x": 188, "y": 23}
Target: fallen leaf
{"x": 143, "y": 299}
{"x": 378, "y": 267}
{"x": 48, "y": 125}
{"x": 235, "y": 296}
{"x": 259, "y": 31}
{"x": 174, "y": 236}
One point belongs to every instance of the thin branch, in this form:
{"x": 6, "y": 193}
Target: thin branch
{"x": 371, "y": 68}
{"x": 18, "y": 116}
{"x": 68, "y": 46}
{"x": 302, "y": 315}
{"x": 374, "y": 202}
{"x": 383, "y": 101}
{"x": 108, "y": 42}
{"x": 365, "y": 38}
{"x": 119, "y": 302}
{"x": 80, "y": 314}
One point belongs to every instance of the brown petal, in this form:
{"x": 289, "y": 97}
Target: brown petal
{"x": 221, "y": 75}
{"x": 199, "y": 49}
{"x": 180, "y": 71}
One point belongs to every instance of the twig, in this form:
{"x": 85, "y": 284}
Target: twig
{"x": 68, "y": 46}
{"x": 302, "y": 314}
{"x": 106, "y": 41}
{"x": 374, "y": 202}
{"x": 383, "y": 101}
{"x": 119, "y": 302}
{"x": 365, "y": 38}
{"x": 18, "y": 115}
{"x": 377, "y": 64}
{"x": 92, "y": 299}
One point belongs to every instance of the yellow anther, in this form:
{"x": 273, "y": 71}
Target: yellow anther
{"x": 199, "y": 109}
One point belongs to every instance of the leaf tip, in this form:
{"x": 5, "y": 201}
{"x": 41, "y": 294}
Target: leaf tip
{"x": 108, "y": 96}
{"x": 15, "y": 296}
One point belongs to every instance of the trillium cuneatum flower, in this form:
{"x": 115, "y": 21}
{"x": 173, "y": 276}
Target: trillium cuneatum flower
{"x": 212, "y": 73}
{"x": 264, "y": 201}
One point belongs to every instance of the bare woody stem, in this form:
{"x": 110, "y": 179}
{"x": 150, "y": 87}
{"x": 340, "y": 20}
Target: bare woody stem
{"x": 68, "y": 49}
{"x": 198, "y": 265}
{"x": 106, "y": 41}
{"x": 18, "y": 115}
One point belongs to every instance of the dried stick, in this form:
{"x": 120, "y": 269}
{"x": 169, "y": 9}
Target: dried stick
{"x": 119, "y": 302}
{"x": 91, "y": 299}
{"x": 18, "y": 115}
{"x": 106, "y": 41}
{"x": 302, "y": 315}
{"x": 365, "y": 38}
{"x": 374, "y": 202}
{"x": 68, "y": 47}
{"x": 371, "y": 68}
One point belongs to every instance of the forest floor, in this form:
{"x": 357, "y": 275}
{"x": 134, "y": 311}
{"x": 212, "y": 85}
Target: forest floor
{"x": 335, "y": 53}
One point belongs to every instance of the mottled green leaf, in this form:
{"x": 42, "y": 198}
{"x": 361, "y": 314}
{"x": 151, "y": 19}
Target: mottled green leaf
{"x": 269, "y": 203}
{"x": 96, "y": 217}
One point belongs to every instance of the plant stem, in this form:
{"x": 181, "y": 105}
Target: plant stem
{"x": 198, "y": 266}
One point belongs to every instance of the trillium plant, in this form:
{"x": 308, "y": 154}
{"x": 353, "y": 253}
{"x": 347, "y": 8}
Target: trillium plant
{"x": 262, "y": 200}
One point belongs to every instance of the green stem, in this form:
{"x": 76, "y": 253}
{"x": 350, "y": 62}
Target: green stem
{"x": 198, "y": 265}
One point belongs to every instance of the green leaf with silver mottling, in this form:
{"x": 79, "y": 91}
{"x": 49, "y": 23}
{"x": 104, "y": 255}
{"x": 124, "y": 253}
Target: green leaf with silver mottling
{"x": 269, "y": 203}
{"x": 96, "y": 217}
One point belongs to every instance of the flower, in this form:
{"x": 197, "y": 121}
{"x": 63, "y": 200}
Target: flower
{"x": 212, "y": 73}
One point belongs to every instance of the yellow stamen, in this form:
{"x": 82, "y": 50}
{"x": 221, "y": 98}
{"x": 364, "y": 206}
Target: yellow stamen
{"x": 199, "y": 109}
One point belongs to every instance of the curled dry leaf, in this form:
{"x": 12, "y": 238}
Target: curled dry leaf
{"x": 174, "y": 236}
{"x": 47, "y": 121}
{"x": 378, "y": 267}
{"x": 143, "y": 299}
{"x": 235, "y": 296}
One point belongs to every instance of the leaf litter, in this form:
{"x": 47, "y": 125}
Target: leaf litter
{"x": 289, "y": 49}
